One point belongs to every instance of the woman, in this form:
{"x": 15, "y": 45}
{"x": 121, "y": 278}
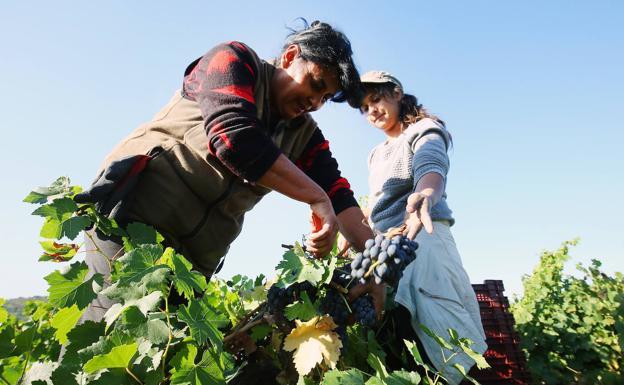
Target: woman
{"x": 407, "y": 179}
{"x": 238, "y": 129}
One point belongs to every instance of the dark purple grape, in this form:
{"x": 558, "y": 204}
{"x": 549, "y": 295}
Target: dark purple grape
{"x": 364, "y": 311}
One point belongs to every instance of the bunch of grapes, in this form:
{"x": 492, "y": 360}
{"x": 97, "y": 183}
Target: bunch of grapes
{"x": 389, "y": 257}
{"x": 336, "y": 306}
{"x": 279, "y": 297}
{"x": 364, "y": 310}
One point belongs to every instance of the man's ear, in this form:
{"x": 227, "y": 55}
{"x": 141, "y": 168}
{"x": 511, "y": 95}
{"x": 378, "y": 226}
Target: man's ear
{"x": 289, "y": 55}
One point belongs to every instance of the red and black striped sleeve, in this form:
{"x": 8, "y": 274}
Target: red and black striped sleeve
{"x": 319, "y": 164}
{"x": 222, "y": 83}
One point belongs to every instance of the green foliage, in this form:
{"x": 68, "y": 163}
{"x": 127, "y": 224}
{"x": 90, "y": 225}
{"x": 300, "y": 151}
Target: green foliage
{"x": 296, "y": 266}
{"x": 572, "y": 328}
{"x": 72, "y": 286}
{"x": 118, "y": 357}
{"x": 144, "y": 337}
{"x": 203, "y": 321}
{"x": 303, "y": 310}
{"x": 64, "y": 321}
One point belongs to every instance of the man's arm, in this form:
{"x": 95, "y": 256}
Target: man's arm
{"x": 354, "y": 227}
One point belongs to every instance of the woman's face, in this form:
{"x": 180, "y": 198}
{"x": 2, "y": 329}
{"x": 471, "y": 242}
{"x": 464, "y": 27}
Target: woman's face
{"x": 383, "y": 112}
{"x": 301, "y": 86}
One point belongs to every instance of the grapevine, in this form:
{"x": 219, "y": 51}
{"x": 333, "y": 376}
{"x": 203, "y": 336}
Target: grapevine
{"x": 218, "y": 331}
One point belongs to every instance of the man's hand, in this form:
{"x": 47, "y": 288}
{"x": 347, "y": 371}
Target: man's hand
{"x": 343, "y": 245}
{"x": 324, "y": 229}
{"x": 418, "y": 214}
{"x": 376, "y": 291}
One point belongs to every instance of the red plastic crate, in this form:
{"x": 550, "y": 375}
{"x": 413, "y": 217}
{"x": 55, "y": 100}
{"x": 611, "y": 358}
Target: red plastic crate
{"x": 507, "y": 361}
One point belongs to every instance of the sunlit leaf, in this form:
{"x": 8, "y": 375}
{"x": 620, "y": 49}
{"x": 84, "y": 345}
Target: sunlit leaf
{"x": 118, "y": 357}
{"x": 313, "y": 342}
{"x": 64, "y": 321}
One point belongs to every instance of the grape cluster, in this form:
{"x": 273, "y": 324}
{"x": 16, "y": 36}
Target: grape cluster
{"x": 364, "y": 310}
{"x": 279, "y": 297}
{"x": 389, "y": 257}
{"x": 334, "y": 305}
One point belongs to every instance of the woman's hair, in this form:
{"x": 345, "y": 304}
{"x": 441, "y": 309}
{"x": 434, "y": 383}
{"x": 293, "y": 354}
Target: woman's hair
{"x": 409, "y": 110}
{"x": 320, "y": 43}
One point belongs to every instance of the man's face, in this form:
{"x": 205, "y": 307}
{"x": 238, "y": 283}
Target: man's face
{"x": 301, "y": 86}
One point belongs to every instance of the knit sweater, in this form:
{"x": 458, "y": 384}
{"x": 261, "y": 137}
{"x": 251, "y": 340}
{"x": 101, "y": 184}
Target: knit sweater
{"x": 395, "y": 167}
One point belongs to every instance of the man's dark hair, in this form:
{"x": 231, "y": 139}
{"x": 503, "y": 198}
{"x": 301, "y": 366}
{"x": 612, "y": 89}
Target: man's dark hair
{"x": 320, "y": 43}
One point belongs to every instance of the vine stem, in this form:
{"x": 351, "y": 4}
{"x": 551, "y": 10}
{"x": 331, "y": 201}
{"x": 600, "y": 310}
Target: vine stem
{"x": 247, "y": 317}
{"x": 243, "y": 329}
{"x": 370, "y": 269}
{"x": 164, "y": 357}
{"x": 338, "y": 287}
{"x": 133, "y": 376}
{"x": 110, "y": 266}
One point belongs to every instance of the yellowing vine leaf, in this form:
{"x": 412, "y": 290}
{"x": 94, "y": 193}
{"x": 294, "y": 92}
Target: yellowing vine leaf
{"x": 313, "y": 341}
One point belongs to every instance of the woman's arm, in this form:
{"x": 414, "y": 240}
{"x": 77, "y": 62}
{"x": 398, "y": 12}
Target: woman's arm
{"x": 430, "y": 165}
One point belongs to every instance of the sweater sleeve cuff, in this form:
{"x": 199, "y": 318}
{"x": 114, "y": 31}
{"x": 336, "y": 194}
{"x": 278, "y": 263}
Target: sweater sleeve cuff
{"x": 343, "y": 201}
{"x": 422, "y": 171}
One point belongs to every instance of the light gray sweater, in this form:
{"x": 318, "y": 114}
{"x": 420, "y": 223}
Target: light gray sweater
{"x": 395, "y": 167}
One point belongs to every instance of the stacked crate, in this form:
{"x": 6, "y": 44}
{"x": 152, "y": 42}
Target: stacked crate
{"x": 507, "y": 361}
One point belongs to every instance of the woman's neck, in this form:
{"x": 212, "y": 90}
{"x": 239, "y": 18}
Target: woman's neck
{"x": 395, "y": 131}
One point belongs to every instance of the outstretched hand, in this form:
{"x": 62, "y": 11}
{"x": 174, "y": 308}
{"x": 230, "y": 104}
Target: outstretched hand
{"x": 418, "y": 214}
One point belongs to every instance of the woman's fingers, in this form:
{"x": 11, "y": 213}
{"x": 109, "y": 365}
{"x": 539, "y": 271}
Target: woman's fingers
{"x": 425, "y": 217}
{"x": 413, "y": 226}
{"x": 414, "y": 202}
{"x": 418, "y": 207}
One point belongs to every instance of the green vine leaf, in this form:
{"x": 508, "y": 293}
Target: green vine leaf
{"x": 303, "y": 310}
{"x": 143, "y": 304}
{"x": 141, "y": 234}
{"x": 347, "y": 377}
{"x": 58, "y": 187}
{"x": 64, "y": 321}
{"x": 118, "y": 357}
{"x": 139, "y": 266}
{"x": 71, "y": 227}
{"x": 72, "y": 286}
{"x": 297, "y": 267}
{"x": 185, "y": 280}
{"x": 203, "y": 321}
{"x": 210, "y": 370}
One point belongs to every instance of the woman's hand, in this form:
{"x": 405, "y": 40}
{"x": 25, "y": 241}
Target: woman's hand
{"x": 418, "y": 214}
{"x": 324, "y": 228}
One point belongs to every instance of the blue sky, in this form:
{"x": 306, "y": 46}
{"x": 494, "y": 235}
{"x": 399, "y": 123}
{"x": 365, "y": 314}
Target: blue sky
{"x": 531, "y": 91}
